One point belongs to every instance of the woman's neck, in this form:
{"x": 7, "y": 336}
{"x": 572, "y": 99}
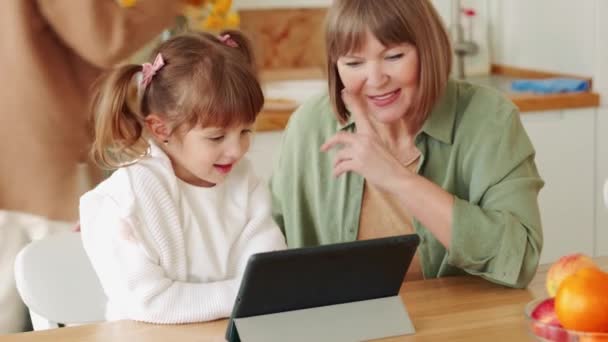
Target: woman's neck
{"x": 395, "y": 135}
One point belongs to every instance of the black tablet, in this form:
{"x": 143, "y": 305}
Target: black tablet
{"x": 310, "y": 277}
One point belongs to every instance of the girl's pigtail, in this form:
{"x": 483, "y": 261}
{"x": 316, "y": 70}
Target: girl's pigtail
{"x": 118, "y": 125}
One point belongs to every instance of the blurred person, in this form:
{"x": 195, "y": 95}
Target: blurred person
{"x": 52, "y": 51}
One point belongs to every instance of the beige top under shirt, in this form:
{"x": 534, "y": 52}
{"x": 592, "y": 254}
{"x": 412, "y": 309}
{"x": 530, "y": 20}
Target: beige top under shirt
{"x": 382, "y": 215}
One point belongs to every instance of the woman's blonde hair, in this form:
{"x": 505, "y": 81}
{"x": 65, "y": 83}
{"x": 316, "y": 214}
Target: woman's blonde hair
{"x": 392, "y": 22}
{"x": 204, "y": 82}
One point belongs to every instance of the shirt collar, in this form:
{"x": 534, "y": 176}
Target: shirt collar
{"x": 440, "y": 123}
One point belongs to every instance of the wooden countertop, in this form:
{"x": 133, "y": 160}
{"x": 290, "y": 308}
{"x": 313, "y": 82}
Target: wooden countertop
{"x": 534, "y": 102}
{"x": 445, "y": 309}
{"x": 275, "y": 120}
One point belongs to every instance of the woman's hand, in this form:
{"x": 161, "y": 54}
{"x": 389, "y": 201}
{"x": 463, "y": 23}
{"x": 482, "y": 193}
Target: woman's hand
{"x": 363, "y": 151}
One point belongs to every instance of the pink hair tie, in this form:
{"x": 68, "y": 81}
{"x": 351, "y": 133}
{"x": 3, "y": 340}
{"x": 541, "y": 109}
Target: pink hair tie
{"x": 149, "y": 70}
{"x": 227, "y": 40}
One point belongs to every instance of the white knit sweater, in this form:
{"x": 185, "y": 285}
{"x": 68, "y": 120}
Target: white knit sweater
{"x": 163, "y": 256}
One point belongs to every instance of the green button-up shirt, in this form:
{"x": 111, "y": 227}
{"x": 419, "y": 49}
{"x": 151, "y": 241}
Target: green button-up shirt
{"x": 473, "y": 145}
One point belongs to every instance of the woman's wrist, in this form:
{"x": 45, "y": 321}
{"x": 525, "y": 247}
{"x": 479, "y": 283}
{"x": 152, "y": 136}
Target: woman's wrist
{"x": 403, "y": 182}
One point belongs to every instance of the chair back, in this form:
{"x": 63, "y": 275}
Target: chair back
{"x": 57, "y": 282}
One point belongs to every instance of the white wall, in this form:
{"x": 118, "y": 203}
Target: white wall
{"x": 552, "y": 35}
{"x": 600, "y": 75}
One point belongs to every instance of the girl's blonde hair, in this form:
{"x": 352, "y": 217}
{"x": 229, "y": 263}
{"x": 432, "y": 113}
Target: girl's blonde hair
{"x": 392, "y": 22}
{"x": 204, "y": 82}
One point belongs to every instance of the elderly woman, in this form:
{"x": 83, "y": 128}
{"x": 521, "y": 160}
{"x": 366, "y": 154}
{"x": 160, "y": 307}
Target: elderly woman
{"x": 397, "y": 147}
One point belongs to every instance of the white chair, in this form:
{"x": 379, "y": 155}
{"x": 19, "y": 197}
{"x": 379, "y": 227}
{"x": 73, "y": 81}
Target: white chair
{"x": 57, "y": 282}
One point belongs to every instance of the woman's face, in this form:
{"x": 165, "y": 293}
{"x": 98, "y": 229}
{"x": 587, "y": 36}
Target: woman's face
{"x": 386, "y": 77}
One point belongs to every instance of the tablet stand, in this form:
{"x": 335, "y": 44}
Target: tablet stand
{"x": 354, "y": 321}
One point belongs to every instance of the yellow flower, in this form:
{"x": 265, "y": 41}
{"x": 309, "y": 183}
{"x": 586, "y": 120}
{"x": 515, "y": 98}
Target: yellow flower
{"x": 233, "y": 20}
{"x": 221, "y": 7}
{"x": 208, "y": 14}
{"x": 213, "y": 22}
{"x": 127, "y": 3}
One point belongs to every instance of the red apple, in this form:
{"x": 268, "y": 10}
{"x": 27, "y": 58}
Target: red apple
{"x": 564, "y": 267}
{"x": 544, "y": 312}
{"x": 546, "y": 324}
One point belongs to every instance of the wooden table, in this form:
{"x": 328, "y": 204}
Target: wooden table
{"x": 448, "y": 309}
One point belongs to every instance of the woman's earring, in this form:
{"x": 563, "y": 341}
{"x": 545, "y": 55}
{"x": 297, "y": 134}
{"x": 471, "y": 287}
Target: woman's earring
{"x": 166, "y": 142}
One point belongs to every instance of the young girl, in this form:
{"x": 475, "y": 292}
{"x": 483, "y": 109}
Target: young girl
{"x": 170, "y": 232}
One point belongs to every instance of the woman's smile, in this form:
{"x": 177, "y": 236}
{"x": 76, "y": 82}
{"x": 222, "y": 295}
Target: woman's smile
{"x": 386, "y": 99}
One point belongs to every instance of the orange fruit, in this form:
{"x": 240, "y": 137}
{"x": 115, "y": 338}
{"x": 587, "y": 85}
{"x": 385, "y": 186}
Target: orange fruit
{"x": 581, "y": 303}
{"x": 593, "y": 339}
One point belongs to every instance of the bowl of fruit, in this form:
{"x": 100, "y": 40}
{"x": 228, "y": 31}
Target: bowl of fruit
{"x": 576, "y": 308}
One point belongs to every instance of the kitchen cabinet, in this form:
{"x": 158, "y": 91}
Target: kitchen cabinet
{"x": 565, "y": 155}
{"x": 601, "y": 177}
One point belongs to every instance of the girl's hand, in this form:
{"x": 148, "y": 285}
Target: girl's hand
{"x": 363, "y": 152}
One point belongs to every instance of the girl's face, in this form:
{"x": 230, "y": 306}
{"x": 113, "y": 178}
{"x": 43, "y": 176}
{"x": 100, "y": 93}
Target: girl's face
{"x": 386, "y": 77}
{"x": 205, "y": 156}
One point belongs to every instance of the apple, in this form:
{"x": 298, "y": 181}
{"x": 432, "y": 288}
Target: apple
{"x": 545, "y": 323}
{"x": 544, "y": 312}
{"x": 564, "y": 267}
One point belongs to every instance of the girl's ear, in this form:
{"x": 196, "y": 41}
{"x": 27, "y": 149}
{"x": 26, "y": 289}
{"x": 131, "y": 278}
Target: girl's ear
{"x": 157, "y": 127}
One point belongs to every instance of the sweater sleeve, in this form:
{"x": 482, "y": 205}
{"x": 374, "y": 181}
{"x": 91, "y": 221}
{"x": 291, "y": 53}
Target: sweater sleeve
{"x": 496, "y": 232}
{"x": 128, "y": 266}
{"x": 261, "y": 233}
{"x": 102, "y": 32}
